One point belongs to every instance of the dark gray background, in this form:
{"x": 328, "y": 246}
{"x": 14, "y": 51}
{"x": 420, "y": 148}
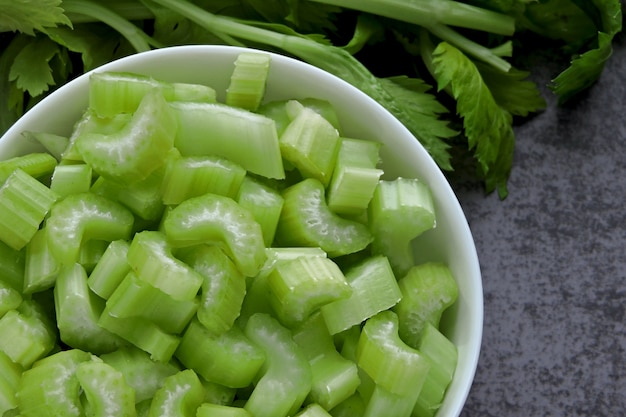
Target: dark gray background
{"x": 553, "y": 261}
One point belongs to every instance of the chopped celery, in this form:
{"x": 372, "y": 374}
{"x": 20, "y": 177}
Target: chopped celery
{"x": 384, "y": 403}
{"x": 427, "y": 291}
{"x": 313, "y": 410}
{"x": 217, "y": 410}
{"x": 180, "y": 396}
{"x": 264, "y": 202}
{"x": 24, "y": 202}
{"x": 34, "y": 164}
{"x": 41, "y": 267}
{"x": 106, "y": 391}
{"x": 110, "y": 269}
{"x": 54, "y": 144}
{"x": 90, "y": 253}
{"x": 277, "y": 110}
{"x": 71, "y": 179}
{"x": 10, "y": 298}
{"x": 81, "y": 217}
{"x": 194, "y": 92}
{"x": 218, "y": 394}
{"x": 246, "y": 138}
{"x": 306, "y": 220}
{"x": 216, "y": 219}
{"x": 12, "y": 265}
{"x": 351, "y": 407}
{"x": 9, "y": 380}
{"x": 247, "y": 81}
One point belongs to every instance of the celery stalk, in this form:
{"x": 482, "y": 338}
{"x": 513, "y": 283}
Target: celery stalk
{"x": 264, "y": 202}
{"x": 180, "y": 396}
{"x": 34, "y": 164}
{"x": 12, "y": 265}
{"x": 9, "y": 380}
{"x": 10, "y": 298}
{"x": 41, "y": 267}
{"x": 106, "y": 391}
{"x": 110, "y": 270}
{"x": 246, "y": 88}
{"x": 71, "y": 179}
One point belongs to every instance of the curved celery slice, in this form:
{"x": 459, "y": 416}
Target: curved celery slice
{"x": 215, "y": 219}
{"x": 285, "y": 379}
{"x": 140, "y": 147}
{"x": 246, "y": 138}
{"x": 180, "y": 396}
{"x": 34, "y": 164}
{"x": 81, "y": 217}
{"x": 264, "y": 202}
{"x": 247, "y": 81}
{"x": 106, "y": 390}
{"x": 306, "y": 220}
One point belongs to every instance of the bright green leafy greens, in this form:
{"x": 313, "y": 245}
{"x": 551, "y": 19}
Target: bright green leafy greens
{"x": 446, "y": 69}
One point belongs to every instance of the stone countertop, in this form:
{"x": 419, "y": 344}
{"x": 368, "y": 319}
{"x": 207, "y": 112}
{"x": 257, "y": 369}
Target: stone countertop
{"x": 553, "y": 258}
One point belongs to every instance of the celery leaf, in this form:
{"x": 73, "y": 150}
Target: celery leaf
{"x": 31, "y": 70}
{"x": 27, "y": 16}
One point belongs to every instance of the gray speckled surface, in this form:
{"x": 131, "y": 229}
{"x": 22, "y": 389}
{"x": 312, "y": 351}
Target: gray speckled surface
{"x": 553, "y": 257}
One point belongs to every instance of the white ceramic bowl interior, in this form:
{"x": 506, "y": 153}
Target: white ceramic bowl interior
{"x": 361, "y": 117}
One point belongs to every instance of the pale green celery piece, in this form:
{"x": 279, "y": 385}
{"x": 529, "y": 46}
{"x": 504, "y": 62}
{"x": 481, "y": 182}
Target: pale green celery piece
{"x": 218, "y": 394}
{"x": 106, "y": 391}
{"x": 194, "y": 92}
{"x": 9, "y": 380}
{"x": 215, "y": 219}
{"x": 143, "y": 407}
{"x": 443, "y": 356}
{"x": 246, "y": 88}
{"x": 90, "y": 253}
{"x": 351, "y": 407}
{"x": 427, "y": 290}
{"x": 12, "y": 265}
{"x": 217, "y": 410}
{"x": 264, "y": 202}
{"x": 246, "y": 138}
{"x": 10, "y": 298}
{"x": 110, "y": 269}
{"x": 41, "y": 267}
{"x": 180, "y": 396}
{"x": 135, "y": 297}
{"x": 24, "y": 203}
{"x": 150, "y": 256}
{"x": 50, "y": 388}
{"x": 81, "y": 217}
{"x": 223, "y": 287}
{"x": 306, "y": 220}
{"x": 347, "y": 341}
{"x": 193, "y": 176}
{"x": 313, "y": 410}
{"x": 383, "y": 402}
{"x": 374, "y": 289}
{"x": 300, "y": 286}
{"x": 277, "y": 110}
{"x": 140, "y": 147}
{"x": 311, "y": 144}
{"x": 284, "y": 381}
{"x": 142, "y": 373}
{"x": 34, "y": 164}
{"x": 230, "y": 359}
{"x": 391, "y": 363}
{"x": 71, "y": 179}
{"x": 77, "y": 313}
{"x": 334, "y": 378}
{"x": 400, "y": 210}
{"x": 54, "y": 144}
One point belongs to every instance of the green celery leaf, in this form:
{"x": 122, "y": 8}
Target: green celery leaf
{"x": 31, "y": 68}
{"x": 11, "y": 97}
{"x": 27, "y": 16}
{"x": 487, "y": 126}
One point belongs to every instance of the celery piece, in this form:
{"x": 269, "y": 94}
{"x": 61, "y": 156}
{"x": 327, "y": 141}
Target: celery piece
{"x": 136, "y": 150}
{"x": 10, "y": 298}
{"x": 180, "y": 396}
{"x": 71, "y": 179}
{"x": 78, "y": 311}
{"x": 193, "y": 92}
{"x": 81, "y": 217}
{"x": 24, "y": 202}
{"x": 223, "y": 287}
{"x": 264, "y": 202}
{"x": 54, "y": 144}
{"x": 135, "y": 297}
{"x": 427, "y": 290}
{"x": 313, "y": 410}
{"x": 400, "y": 210}
{"x": 246, "y": 138}
{"x": 229, "y": 359}
{"x": 110, "y": 269}
{"x": 34, "y": 164}
{"x": 334, "y": 378}
{"x": 277, "y": 110}
{"x": 217, "y": 410}
{"x": 106, "y": 391}
{"x": 383, "y": 403}
{"x": 25, "y": 337}
{"x": 311, "y": 143}
{"x": 41, "y": 267}
{"x": 351, "y": 407}
{"x": 150, "y": 256}
{"x": 12, "y": 266}
{"x": 140, "y": 372}
{"x": 218, "y": 394}
{"x": 285, "y": 378}
{"x": 246, "y": 88}
{"x": 193, "y": 176}
{"x": 90, "y": 253}
{"x": 392, "y": 364}
{"x": 50, "y": 388}
{"x": 306, "y": 220}
{"x": 216, "y": 219}
{"x": 300, "y": 286}
{"x": 443, "y": 355}
{"x": 9, "y": 380}
{"x": 347, "y": 341}
{"x": 374, "y": 289}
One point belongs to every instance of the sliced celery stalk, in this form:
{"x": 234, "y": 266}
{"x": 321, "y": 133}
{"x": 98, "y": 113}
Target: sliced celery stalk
{"x": 78, "y": 311}
{"x": 90, "y": 253}
{"x": 54, "y": 144}
{"x": 246, "y": 138}
{"x": 285, "y": 378}
{"x": 12, "y": 265}
{"x": 106, "y": 391}
{"x": 229, "y": 359}
{"x": 306, "y": 220}
{"x": 353, "y": 406}
{"x": 218, "y": 394}
{"x": 24, "y": 202}
{"x": 215, "y": 219}
{"x": 313, "y": 410}
{"x": 374, "y": 289}
{"x": 246, "y": 88}
{"x": 277, "y": 110}
{"x": 217, "y": 410}
{"x": 427, "y": 291}
{"x": 81, "y": 217}
{"x": 194, "y": 92}
{"x": 383, "y": 402}
{"x": 10, "y": 298}
{"x": 25, "y": 337}
{"x": 110, "y": 269}
{"x": 300, "y": 286}
{"x": 9, "y": 380}
{"x": 71, "y": 179}
{"x": 34, "y": 164}
{"x": 264, "y": 202}
{"x": 180, "y": 396}
{"x": 41, "y": 267}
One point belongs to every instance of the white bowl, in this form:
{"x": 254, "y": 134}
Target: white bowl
{"x": 360, "y": 116}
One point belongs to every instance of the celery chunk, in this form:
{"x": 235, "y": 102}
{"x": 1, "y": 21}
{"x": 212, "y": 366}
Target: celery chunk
{"x": 180, "y": 396}
{"x": 313, "y": 410}
{"x": 110, "y": 269}
{"x": 9, "y": 380}
{"x": 41, "y": 267}
{"x": 71, "y": 179}
{"x": 264, "y": 202}
{"x": 247, "y": 81}
{"x": 106, "y": 390}
{"x": 34, "y": 164}
{"x": 217, "y": 410}
{"x": 12, "y": 265}
{"x": 10, "y": 298}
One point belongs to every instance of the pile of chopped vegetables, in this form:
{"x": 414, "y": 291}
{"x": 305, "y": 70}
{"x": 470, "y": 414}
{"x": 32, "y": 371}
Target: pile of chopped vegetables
{"x": 444, "y": 68}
